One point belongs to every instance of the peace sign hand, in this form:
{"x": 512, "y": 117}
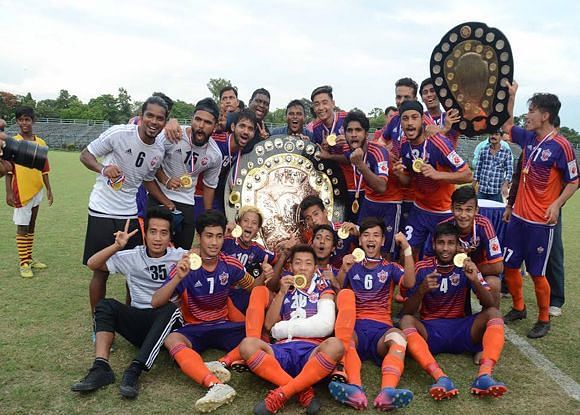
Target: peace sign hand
{"x": 122, "y": 237}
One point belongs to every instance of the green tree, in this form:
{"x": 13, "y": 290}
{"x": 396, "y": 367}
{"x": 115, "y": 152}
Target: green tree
{"x": 123, "y": 105}
{"x": 104, "y": 107}
{"x": 278, "y": 116}
{"x": 572, "y": 135}
{"x": 8, "y": 103}
{"x": 182, "y": 110}
{"x": 27, "y": 100}
{"x": 215, "y": 85}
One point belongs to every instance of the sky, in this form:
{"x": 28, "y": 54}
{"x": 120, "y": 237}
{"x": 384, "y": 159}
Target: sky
{"x": 288, "y": 47}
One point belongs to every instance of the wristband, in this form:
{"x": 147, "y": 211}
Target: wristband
{"x": 408, "y": 251}
{"x": 103, "y": 170}
{"x": 167, "y": 182}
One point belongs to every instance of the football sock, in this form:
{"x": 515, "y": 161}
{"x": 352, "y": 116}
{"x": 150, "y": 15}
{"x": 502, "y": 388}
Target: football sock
{"x": 22, "y": 246}
{"x": 317, "y": 368}
{"x": 30, "y": 240}
{"x": 192, "y": 365}
{"x": 234, "y": 314}
{"x": 232, "y": 356}
{"x": 346, "y": 317}
{"x": 514, "y": 281}
{"x": 267, "y": 367}
{"x": 493, "y": 342}
{"x": 392, "y": 367}
{"x": 256, "y": 311}
{"x": 352, "y": 365}
{"x": 542, "y": 288}
{"x": 419, "y": 349}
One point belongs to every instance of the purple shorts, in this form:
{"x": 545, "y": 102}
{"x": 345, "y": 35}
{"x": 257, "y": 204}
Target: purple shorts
{"x": 421, "y": 224}
{"x": 293, "y": 355}
{"x": 406, "y": 209}
{"x": 240, "y": 298}
{"x": 529, "y": 242}
{"x": 391, "y": 215}
{"x": 198, "y": 208}
{"x": 451, "y": 335}
{"x": 369, "y": 332}
{"x": 223, "y": 335}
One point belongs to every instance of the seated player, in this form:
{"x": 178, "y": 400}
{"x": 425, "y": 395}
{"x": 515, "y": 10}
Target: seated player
{"x": 146, "y": 268}
{"x": 313, "y": 212}
{"x": 373, "y": 280}
{"x": 477, "y": 238}
{"x": 301, "y": 319}
{"x": 434, "y": 167}
{"x": 250, "y": 253}
{"x": 439, "y": 296}
{"x": 203, "y": 292}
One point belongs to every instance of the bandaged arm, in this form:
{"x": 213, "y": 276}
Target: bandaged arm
{"x": 319, "y": 325}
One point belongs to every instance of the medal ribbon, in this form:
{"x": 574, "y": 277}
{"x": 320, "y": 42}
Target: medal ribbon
{"x": 238, "y": 157}
{"x": 534, "y": 150}
{"x": 469, "y": 245}
{"x": 358, "y": 183}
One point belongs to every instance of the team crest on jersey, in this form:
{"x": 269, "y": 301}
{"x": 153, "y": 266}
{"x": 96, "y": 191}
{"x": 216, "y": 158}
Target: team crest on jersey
{"x": 224, "y": 277}
{"x": 383, "y": 275}
{"x": 455, "y": 159}
{"x": 340, "y": 244}
{"x": 313, "y": 297}
{"x": 154, "y": 161}
{"x": 454, "y": 279}
{"x": 546, "y": 154}
{"x": 204, "y": 161}
{"x": 572, "y": 169}
{"x": 494, "y": 248}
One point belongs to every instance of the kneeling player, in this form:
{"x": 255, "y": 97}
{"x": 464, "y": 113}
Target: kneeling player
{"x": 301, "y": 319}
{"x": 439, "y": 295}
{"x": 372, "y": 280}
{"x": 203, "y": 288}
{"x": 146, "y": 269}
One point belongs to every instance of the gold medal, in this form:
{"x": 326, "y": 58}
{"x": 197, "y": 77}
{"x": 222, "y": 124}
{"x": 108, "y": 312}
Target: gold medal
{"x": 331, "y": 140}
{"x": 235, "y": 197}
{"x": 358, "y": 254}
{"x": 117, "y": 183}
{"x": 417, "y": 164}
{"x": 355, "y": 206}
{"x": 300, "y": 281}
{"x": 194, "y": 261}
{"x": 237, "y": 231}
{"x": 186, "y": 181}
{"x": 343, "y": 233}
{"x": 459, "y": 259}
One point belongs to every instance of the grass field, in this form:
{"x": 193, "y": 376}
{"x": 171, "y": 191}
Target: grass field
{"x": 45, "y": 341}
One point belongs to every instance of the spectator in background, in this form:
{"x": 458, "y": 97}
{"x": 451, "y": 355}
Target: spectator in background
{"x": 483, "y": 144}
{"x": 5, "y": 167}
{"x": 295, "y": 119}
{"x": 494, "y": 170}
{"x": 390, "y": 112}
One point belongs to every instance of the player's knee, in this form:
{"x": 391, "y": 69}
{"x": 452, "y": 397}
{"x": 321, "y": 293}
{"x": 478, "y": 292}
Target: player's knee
{"x": 332, "y": 347}
{"x": 395, "y": 336}
{"x": 492, "y": 312}
{"x": 106, "y": 307}
{"x": 345, "y": 299}
{"x": 249, "y": 346}
{"x": 407, "y": 321}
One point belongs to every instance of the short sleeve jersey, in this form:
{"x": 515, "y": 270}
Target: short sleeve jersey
{"x": 551, "y": 166}
{"x": 373, "y": 289}
{"x": 184, "y": 158}
{"x": 377, "y": 159}
{"x": 484, "y": 247}
{"x": 121, "y": 145}
{"x": 26, "y": 182}
{"x": 204, "y": 293}
{"x": 219, "y": 139}
{"x": 433, "y": 195}
{"x": 343, "y": 246}
{"x": 447, "y": 301}
{"x": 144, "y": 274}
{"x": 439, "y": 121}
{"x": 251, "y": 257}
{"x": 299, "y": 303}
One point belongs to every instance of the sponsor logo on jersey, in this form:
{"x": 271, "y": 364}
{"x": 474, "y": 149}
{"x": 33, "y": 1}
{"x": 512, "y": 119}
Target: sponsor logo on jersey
{"x": 286, "y": 301}
{"x": 224, "y": 278}
{"x": 572, "y": 169}
{"x": 197, "y": 284}
{"x": 178, "y": 151}
{"x": 128, "y": 151}
{"x": 356, "y": 277}
{"x": 455, "y": 159}
{"x": 494, "y": 248}
{"x": 540, "y": 249}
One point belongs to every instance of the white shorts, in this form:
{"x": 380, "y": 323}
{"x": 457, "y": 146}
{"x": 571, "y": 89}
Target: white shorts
{"x": 23, "y": 215}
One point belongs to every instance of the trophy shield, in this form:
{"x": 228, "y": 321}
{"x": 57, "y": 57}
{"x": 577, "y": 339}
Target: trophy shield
{"x": 470, "y": 69}
{"x": 275, "y": 177}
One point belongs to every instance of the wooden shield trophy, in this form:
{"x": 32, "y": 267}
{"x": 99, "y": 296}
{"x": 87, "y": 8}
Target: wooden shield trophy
{"x": 469, "y": 69}
{"x": 275, "y": 177}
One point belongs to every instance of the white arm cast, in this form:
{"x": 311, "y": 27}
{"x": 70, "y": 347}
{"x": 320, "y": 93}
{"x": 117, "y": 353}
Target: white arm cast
{"x": 319, "y": 325}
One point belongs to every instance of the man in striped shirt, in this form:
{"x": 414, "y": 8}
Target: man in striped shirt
{"x": 146, "y": 269}
{"x": 130, "y": 156}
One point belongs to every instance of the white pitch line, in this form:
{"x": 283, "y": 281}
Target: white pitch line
{"x": 570, "y": 386}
